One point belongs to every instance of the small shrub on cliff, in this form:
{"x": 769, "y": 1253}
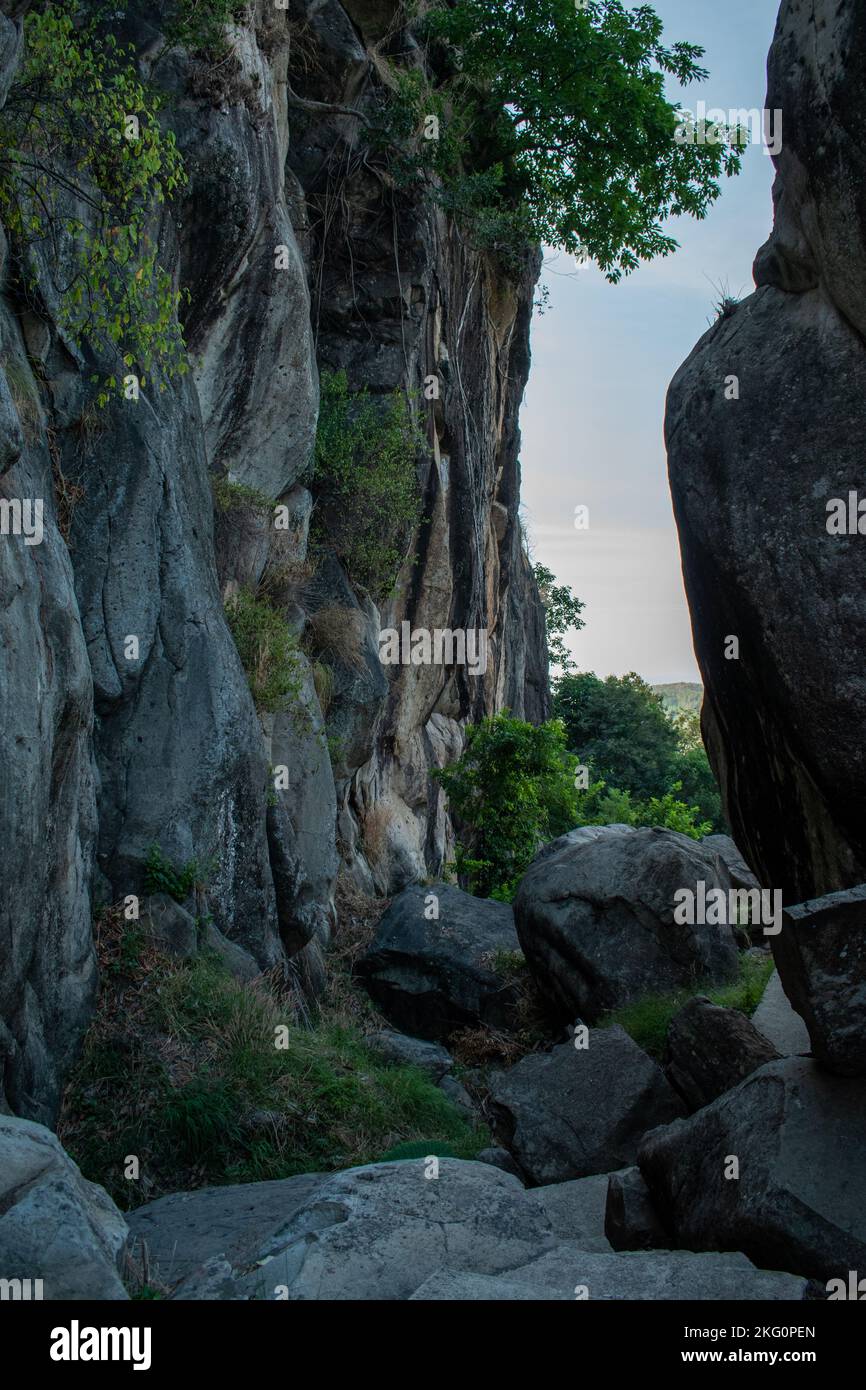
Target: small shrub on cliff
{"x": 268, "y": 651}
{"x": 161, "y": 876}
{"x": 366, "y": 480}
{"x": 84, "y": 166}
{"x": 200, "y": 25}
{"x": 512, "y": 789}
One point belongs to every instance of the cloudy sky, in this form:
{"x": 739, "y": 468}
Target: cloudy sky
{"x": 603, "y": 357}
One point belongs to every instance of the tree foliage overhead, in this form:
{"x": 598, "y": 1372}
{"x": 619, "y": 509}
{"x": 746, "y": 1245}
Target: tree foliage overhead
{"x": 84, "y": 165}
{"x": 565, "y": 109}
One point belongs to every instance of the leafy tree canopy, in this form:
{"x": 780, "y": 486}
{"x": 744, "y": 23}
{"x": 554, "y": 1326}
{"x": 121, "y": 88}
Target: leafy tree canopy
{"x": 512, "y": 790}
{"x": 619, "y": 728}
{"x": 566, "y": 108}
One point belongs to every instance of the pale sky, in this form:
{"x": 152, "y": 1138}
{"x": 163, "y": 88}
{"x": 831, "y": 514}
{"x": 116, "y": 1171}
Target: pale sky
{"x": 603, "y": 357}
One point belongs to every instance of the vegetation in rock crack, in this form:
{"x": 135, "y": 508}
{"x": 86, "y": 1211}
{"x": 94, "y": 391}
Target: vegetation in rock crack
{"x": 268, "y": 651}
{"x": 366, "y": 480}
{"x": 182, "y": 1067}
{"x": 554, "y": 127}
{"x": 648, "y": 1019}
{"x": 161, "y": 876}
{"x": 200, "y": 25}
{"x": 229, "y": 496}
{"x": 84, "y": 168}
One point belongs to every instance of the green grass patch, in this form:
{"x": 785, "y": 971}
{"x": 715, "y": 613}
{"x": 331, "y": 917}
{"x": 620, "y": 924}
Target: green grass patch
{"x": 647, "y": 1020}
{"x": 182, "y": 1070}
{"x": 268, "y": 651}
{"x": 229, "y": 496}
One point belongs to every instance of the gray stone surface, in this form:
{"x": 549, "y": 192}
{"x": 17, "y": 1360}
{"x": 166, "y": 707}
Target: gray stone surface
{"x": 54, "y": 1225}
{"x": 500, "y": 1158}
{"x": 776, "y": 1019}
{"x": 595, "y": 917}
{"x": 821, "y": 956}
{"x": 799, "y": 1203}
{"x": 47, "y": 791}
{"x": 576, "y": 1210}
{"x": 380, "y": 1231}
{"x": 570, "y": 1273}
{"x": 710, "y": 1050}
{"x": 402, "y": 1050}
{"x": 631, "y": 1222}
{"x": 169, "y": 926}
{"x": 783, "y": 722}
{"x": 236, "y": 960}
{"x": 187, "y": 1230}
{"x": 430, "y": 977}
{"x": 573, "y": 1112}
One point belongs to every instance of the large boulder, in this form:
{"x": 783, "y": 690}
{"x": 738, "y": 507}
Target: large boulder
{"x": 54, "y": 1225}
{"x": 431, "y": 974}
{"x": 576, "y": 1210}
{"x": 710, "y": 1050}
{"x": 631, "y": 1222}
{"x": 595, "y": 917}
{"x": 576, "y": 1111}
{"x": 377, "y": 1232}
{"x": 764, "y": 428}
{"x": 821, "y": 955}
{"x": 796, "y": 1137}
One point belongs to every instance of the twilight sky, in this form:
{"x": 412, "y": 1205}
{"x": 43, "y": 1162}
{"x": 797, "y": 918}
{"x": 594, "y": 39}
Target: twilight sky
{"x": 603, "y": 357}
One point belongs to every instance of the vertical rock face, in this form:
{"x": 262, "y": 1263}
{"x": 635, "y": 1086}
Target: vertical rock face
{"x": 398, "y": 298}
{"x": 754, "y": 464}
{"x": 295, "y": 255}
{"x": 47, "y": 805}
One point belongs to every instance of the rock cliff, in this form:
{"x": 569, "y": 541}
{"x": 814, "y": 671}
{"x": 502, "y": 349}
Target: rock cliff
{"x": 297, "y": 254}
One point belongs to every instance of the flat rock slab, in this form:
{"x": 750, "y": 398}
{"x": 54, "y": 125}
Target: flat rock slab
{"x": 576, "y": 1210}
{"x": 568, "y": 1273}
{"x": 377, "y": 1232}
{"x": 776, "y": 1018}
{"x": 185, "y": 1231}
